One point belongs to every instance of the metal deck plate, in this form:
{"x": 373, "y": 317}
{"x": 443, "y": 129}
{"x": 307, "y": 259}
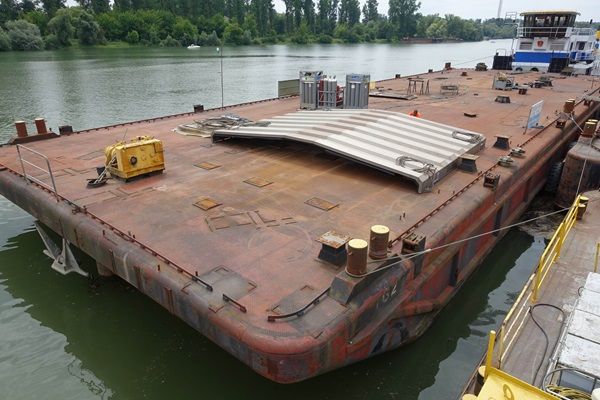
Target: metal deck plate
{"x": 421, "y": 150}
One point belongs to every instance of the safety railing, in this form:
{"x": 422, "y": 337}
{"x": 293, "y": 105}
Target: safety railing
{"x": 30, "y": 178}
{"x": 552, "y": 251}
{"x": 552, "y": 31}
{"x": 517, "y": 316}
{"x": 597, "y": 254}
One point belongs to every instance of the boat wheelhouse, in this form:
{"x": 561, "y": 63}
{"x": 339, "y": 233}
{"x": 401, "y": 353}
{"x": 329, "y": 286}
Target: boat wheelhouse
{"x": 548, "y": 41}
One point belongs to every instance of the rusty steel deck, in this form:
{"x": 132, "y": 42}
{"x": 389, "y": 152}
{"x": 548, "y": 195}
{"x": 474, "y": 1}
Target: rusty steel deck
{"x": 226, "y": 237}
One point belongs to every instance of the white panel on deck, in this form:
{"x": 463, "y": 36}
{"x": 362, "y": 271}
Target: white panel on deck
{"x": 421, "y": 150}
{"x": 581, "y": 348}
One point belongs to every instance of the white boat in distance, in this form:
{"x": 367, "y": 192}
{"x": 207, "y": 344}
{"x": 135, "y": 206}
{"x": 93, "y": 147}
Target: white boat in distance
{"x": 193, "y": 47}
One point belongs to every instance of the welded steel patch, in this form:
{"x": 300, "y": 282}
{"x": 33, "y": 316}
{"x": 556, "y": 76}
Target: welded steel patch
{"x": 258, "y": 182}
{"x": 223, "y": 282}
{"x": 256, "y": 218}
{"x": 333, "y": 239}
{"x": 206, "y": 203}
{"x": 206, "y": 165}
{"x": 321, "y": 204}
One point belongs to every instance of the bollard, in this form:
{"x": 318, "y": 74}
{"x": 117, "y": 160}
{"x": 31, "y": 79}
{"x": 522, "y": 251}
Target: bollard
{"x": 582, "y": 207}
{"x": 569, "y": 106}
{"x": 21, "y": 129}
{"x": 380, "y": 236}
{"x": 357, "y": 257}
{"x": 40, "y": 126}
{"x": 589, "y": 129}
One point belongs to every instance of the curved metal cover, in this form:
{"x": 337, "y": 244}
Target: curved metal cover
{"x": 421, "y": 150}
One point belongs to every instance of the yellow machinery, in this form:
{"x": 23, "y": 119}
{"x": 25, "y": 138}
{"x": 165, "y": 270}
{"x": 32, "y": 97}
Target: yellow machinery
{"x": 140, "y": 156}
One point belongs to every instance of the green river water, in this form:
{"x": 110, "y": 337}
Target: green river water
{"x": 77, "y": 338}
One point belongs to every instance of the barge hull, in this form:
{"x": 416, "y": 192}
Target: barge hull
{"x": 391, "y": 308}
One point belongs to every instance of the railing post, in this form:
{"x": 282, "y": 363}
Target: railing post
{"x": 490, "y": 354}
{"x": 501, "y": 344}
{"x": 32, "y": 178}
{"x": 22, "y": 165}
{"x": 538, "y": 278}
{"x": 596, "y": 262}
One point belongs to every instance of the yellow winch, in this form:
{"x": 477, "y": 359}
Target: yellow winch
{"x": 140, "y": 156}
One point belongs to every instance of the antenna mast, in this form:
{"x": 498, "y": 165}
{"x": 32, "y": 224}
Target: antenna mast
{"x": 499, "y": 9}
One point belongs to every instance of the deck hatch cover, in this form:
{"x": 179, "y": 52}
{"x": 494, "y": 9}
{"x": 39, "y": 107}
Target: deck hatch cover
{"x": 377, "y": 138}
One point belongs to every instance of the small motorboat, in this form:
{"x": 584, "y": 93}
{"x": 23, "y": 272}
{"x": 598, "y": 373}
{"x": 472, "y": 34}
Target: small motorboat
{"x": 193, "y": 47}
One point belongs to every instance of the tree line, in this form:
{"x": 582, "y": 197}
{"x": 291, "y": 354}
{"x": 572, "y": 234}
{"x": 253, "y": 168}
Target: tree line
{"x": 50, "y": 24}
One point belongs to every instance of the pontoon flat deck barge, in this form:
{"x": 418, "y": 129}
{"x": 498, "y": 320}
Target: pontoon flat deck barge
{"x": 226, "y": 237}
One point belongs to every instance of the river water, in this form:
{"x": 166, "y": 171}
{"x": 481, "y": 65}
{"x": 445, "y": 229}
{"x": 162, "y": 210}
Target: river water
{"x": 76, "y": 338}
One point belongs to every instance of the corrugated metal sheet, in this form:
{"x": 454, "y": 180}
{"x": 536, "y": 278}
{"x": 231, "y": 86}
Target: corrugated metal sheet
{"x": 421, "y": 150}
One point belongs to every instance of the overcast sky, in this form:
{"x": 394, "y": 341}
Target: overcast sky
{"x": 489, "y": 8}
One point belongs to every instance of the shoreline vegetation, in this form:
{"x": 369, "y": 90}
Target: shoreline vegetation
{"x": 29, "y": 25}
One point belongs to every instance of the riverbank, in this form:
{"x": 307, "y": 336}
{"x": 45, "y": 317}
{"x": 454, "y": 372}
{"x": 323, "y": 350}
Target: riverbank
{"x": 39, "y": 29}
{"x": 119, "y": 44}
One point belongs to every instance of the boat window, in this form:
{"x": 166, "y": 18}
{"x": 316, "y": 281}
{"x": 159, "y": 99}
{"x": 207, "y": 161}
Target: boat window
{"x": 571, "y": 48}
{"x": 525, "y": 46}
{"x": 557, "y": 46}
{"x": 580, "y": 45}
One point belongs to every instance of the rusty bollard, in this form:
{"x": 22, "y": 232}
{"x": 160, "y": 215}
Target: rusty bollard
{"x": 380, "y": 236}
{"x": 40, "y": 126}
{"x": 357, "y": 257}
{"x": 21, "y": 129}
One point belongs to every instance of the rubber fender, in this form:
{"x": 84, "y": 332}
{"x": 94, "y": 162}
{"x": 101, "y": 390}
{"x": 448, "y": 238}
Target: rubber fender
{"x": 553, "y": 179}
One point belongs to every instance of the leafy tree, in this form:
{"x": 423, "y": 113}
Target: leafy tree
{"x": 169, "y": 42}
{"x": 61, "y": 25}
{"x": 369, "y": 11}
{"x": 247, "y": 38}
{"x": 100, "y": 6}
{"x": 262, "y": 11}
{"x": 235, "y": 9}
{"x": 349, "y": 12}
{"x": 213, "y": 39}
{"x": 233, "y": 34}
{"x": 327, "y": 16}
{"x": 29, "y": 5}
{"x": 88, "y": 30}
{"x": 39, "y": 18}
{"x": 302, "y": 35}
{"x": 110, "y": 25}
{"x": 133, "y": 37}
{"x": 402, "y": 15}
{"x": 184, "y": 31}
{"x": 122, "y": 5}
{"x": 438, "y": 29}
{"x": 9, "y": 9}
{"x": 308, "y": 10}
{"x": 4, "y": 41}
{"x": 424, "y": 22}
{"x": 24, "y": 35}
{"x": 52, "y": 6}
{"x": 51, "y": 42}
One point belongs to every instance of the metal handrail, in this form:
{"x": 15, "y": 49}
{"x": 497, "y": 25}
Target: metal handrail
{"x": 552, "y": 31}
{"x": 29, "y": 177}
{"x": 517, "y": 316}
{"x": 552, "y": 251}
